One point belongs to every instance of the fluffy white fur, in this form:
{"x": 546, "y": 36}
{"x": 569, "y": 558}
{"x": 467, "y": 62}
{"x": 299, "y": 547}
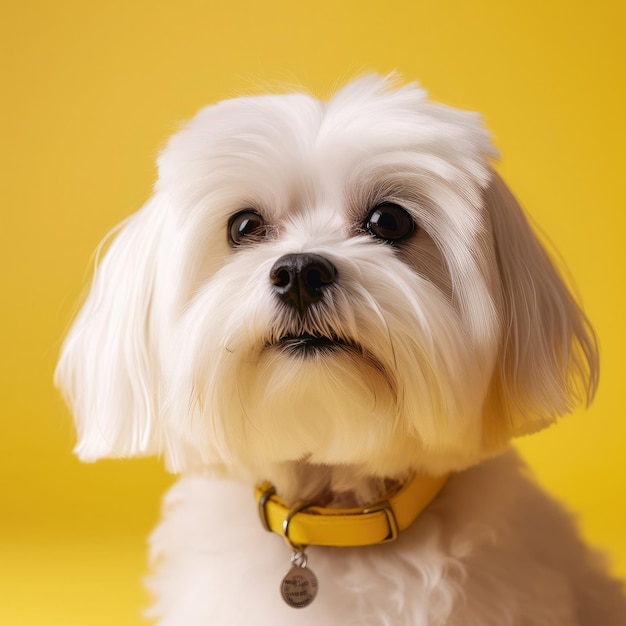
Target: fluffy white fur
{"x": 463, "y": 336}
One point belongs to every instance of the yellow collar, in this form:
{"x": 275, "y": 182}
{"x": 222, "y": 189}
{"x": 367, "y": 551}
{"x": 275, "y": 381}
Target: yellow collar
{"x": 306, "y": 525}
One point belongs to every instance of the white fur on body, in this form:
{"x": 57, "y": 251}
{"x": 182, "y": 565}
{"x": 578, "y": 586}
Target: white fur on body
{"x": 492, "y": 550}
{"x": 445, "y": 346}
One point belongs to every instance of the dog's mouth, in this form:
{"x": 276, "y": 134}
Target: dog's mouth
{"x": 309, "y": 344}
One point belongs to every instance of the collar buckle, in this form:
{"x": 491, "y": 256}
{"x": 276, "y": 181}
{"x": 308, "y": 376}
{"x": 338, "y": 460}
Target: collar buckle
{"x": 385, "y": 507}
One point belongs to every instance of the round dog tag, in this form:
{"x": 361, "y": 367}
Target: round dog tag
{"x": 299, "y": 587}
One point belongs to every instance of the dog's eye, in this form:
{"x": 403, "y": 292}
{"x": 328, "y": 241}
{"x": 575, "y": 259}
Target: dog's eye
{"x": 389, "y": 222}
{"x": 245, "y": 225}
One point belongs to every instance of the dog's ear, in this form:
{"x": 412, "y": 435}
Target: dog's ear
{"x": 107, "y": 370}
{"x": 548, "y": 361}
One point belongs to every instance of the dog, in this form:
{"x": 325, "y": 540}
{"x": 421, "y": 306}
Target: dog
{"x": 332, "y": 318}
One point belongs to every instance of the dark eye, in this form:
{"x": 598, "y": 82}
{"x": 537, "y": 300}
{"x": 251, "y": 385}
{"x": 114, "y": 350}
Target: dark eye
{"x": 389, "y": 222}
{"x": 245, "y": 225}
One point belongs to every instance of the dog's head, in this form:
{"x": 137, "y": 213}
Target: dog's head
{"x": 347, "y": 283}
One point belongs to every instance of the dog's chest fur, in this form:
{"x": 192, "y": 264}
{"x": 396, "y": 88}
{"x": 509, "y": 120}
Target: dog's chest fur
{"x": 216, "y": 565}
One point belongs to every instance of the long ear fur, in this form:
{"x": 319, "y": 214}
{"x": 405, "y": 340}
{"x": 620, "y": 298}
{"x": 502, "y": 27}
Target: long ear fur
{"x": 107, "y": 369}
{"x": 548, "y": 360}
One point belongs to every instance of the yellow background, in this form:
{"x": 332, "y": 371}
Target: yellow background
{"x": 90, "y": 90}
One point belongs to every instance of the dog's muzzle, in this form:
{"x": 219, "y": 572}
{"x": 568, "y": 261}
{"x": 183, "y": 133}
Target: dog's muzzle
{"x": 300, "y": 281}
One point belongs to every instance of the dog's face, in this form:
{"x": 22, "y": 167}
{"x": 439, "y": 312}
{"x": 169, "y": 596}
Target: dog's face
{"x": 344, "y": 283}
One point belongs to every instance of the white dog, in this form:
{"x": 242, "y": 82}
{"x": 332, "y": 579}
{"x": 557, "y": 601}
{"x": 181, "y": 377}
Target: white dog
{"x": 341, "y": 304}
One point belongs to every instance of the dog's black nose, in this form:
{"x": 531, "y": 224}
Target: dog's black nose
{"x": 300, "y": 279}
